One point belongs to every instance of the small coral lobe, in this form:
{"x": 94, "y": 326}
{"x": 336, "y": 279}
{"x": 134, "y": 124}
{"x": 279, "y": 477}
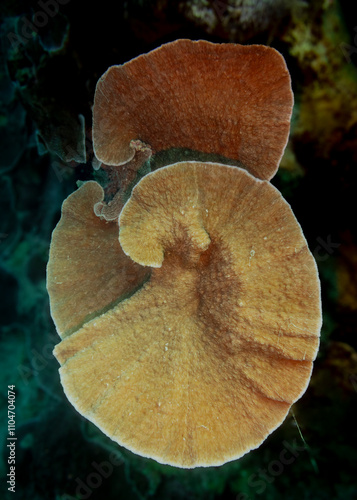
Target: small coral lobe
{"x": 86, "y": 273}
{"x": 120, "y": 181}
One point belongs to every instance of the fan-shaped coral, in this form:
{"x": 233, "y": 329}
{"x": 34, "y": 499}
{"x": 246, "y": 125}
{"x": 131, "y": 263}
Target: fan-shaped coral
{"x": 189, "y": 324}
{"x": 223, "y": 99}
{"x": 203, "y": 362}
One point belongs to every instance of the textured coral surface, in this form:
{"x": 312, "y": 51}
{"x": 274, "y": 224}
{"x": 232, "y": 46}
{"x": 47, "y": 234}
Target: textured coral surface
{"x": 48, "y": 74}
{"x": 205, "y": 360}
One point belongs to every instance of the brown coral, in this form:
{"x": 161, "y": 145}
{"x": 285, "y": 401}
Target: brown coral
{"x": 223, "y": 99}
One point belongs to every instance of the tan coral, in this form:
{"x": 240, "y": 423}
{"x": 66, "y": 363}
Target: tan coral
{"x": 203, "y": 362}
{"x": 87, "y": 270}
{"x": 223, "y": 99}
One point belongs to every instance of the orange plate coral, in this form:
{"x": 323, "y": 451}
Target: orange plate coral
{"x": 189, "y": 324}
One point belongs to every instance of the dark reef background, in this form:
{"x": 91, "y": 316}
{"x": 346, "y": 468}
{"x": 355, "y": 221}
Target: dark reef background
{"x": 51, "y": 56}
